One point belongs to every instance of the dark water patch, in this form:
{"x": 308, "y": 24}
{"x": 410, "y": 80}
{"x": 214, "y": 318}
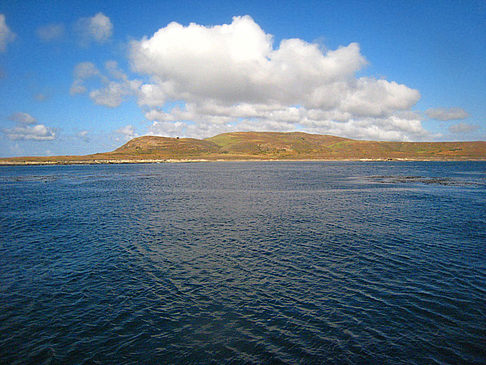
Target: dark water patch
{"x": 29, "y": 178}
{"x": 446, "y": 181}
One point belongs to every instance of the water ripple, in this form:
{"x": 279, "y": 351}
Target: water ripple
{"x": 243, "y": 263}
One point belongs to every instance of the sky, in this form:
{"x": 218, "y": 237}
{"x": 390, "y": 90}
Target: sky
{"x": 80, "y": 77}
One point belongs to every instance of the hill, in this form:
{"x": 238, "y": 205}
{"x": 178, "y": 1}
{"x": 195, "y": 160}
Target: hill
{"x": 268, "y": 146}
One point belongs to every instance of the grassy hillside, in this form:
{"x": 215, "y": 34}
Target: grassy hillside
{"x": 164, "y": 147}
{"x": 298, "y": 145}
{"x": 269, "y": 146}
{"x": 274, "y": 144}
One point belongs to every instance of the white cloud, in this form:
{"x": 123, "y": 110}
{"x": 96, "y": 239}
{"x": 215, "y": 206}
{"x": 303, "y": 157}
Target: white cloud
{"x": 114, "y": 71}
{"x": 127, "y": 132}
{"x": 111, "y": 93}
{"x": 22, "y": 118}
{"x": 207, "y": 120}
{"x": 84, "y": 135}
{"x": 208, "y": 80}
{"x": 50, "y": 32}
{"x": 230, "y": 77}
{"x": 151, "y": 95}
{"x": 85, "y": 70}
{"x": 446, "y": 113}
{"x": 236, "y": 63}
{"x": 97, "y": 28}
{"x": 41, "y": 96}
{"x": 28, "y": 129}
{"x": 6, "y": 35}
{"x": 77, "y": 87}
{"x": 38, "y": 132}
{"x": 461, "y": 128}
{"x": 82, "y": 72}
{"x": 114, "y": 93}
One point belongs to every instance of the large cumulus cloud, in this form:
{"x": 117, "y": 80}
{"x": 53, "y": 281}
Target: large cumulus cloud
{"x": 230, "y": 77}
{"x": 202, "y": 80}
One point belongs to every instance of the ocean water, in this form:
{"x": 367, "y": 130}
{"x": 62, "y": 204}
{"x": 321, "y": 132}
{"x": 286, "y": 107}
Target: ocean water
{"x": 244, "y": 262}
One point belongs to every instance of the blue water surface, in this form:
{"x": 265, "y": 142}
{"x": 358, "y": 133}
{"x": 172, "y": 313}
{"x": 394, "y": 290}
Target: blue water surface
{"x": 243, "y": 262}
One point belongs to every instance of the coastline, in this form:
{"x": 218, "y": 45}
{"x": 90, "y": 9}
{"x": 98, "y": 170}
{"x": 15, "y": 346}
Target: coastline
{"x": 7, "y": 162}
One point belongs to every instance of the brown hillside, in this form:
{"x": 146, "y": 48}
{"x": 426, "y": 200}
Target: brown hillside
{"x": 165, "y": 147}
{"x": 269, "y": 146}
{"x": 298, "y": 145}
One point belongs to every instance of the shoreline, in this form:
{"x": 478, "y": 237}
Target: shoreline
{"x": 158, "y": 161}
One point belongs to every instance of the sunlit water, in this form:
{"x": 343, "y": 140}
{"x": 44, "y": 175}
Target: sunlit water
{"x": 246, "y": 262}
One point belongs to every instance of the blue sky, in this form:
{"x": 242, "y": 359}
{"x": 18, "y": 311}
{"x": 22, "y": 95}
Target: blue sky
{"x": 84, "y": 77}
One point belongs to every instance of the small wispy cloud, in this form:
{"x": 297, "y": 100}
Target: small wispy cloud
{"x": 445, "y": 114}
{"x": 97, "y": 28}
{"x": 6, "y": 35}
{"x": 127, "y": 132}
{"x": 82, "y": 71}
{"x": 41, "y": 96}
{"x": 23, "y": 118}
{"x": 462, "y": 128}
{"x": 50, "y": 32}
{"x": 83, "y": 135}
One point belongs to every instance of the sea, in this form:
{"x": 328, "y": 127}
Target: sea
{"x": 243, "y": 262}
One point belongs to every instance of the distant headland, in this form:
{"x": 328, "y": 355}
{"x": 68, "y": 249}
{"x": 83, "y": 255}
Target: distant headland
{"x": 237, "y": 146}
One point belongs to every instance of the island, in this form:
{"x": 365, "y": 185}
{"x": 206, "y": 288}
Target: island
{"x": 238, "y": 146}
